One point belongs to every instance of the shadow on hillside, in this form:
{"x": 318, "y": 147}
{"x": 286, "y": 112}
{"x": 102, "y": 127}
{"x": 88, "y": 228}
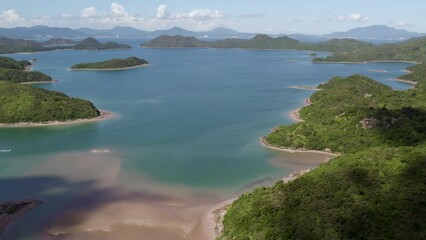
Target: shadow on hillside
{"x": 402, "y": 127}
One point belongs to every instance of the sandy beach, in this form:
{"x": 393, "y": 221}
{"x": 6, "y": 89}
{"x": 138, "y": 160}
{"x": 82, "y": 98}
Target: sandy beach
{"x": 103, "y": 116}
{"x": 305, "y": 88}
{"x": 291, "y": 150}
{"x": 109, "y": 69}
{"x": 405, "y": 81}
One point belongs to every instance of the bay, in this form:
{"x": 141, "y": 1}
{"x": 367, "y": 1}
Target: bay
{"x": 189, "y": 122}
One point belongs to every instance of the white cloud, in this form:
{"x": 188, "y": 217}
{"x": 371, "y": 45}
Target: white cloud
{"x": 162, "y": 12}
{"x": 358, "y": 17}
{"x": 203, "y": 14}
{"x": 10, "y": 16}
{"x": 354, "y": 17}
{"x": 118, "y": 10}
{"x": 89, "y": 12}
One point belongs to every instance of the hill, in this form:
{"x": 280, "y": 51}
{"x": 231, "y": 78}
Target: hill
{"x": 375, "y": 32}
{"x": 113, "y": 64}
{"x": 41, "y": 32}
{"x": 93, "y": 44}
{"x": 410, "y": 50}
{"x": 260, "y": 41}
{"x": 166, "y": 41}
{"x": 376, "y": 190}
{"x": 8, "y": 45}
{"x": 13, "y": 71}
{"x": 23, "y": 103}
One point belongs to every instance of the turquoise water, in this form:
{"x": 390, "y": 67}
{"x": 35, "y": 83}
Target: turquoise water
{"x": 191, "y": 118}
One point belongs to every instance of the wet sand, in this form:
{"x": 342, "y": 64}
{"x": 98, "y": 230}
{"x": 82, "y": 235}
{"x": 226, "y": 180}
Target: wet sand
{"x": 106, "y": 201}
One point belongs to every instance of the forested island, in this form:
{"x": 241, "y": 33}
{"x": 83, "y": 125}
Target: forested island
{"x": 113, "y": 64}
{"x": 260, "y": 41}
{"x": 413, "y": 50}
{"x": 376, "y": 189}
{"x": 22, "y": 105}
{"x": 17, "y": 72}
{"x": 9, "y": 45}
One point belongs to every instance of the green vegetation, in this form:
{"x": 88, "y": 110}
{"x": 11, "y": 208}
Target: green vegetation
{"x": 13, "y": 71}
{"x": 166, "y": 41}
{"x": 410, "y": 50}
{"x": 8, "y": 45}
{"x": 378, "y": 193}
{"x": 93, "y": 44}
{"x": 260, "y": 41}
{"x": 21, "y": 103}
{"x": 376, "y": 190}
{"x": 6, "y": 62}
{"x": 111, "y": 64}
{"x": 19, "y": 76}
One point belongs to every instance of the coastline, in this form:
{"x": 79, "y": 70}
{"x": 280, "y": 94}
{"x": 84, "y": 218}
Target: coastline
{"x": 405, "y": 81}
{"x": 40, "y": 82}
{"x": 310, "y": 88}
{"x": 264, "y": 143}
{"x": 295, "y": 114}
{"x": 103, "y": 116}
{"x": 109, "y": 69}
{"x": 16, "y": 209}
{"x": 365, "y": 62}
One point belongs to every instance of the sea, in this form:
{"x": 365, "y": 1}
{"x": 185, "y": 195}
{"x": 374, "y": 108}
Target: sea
{"x": 184, "y": 137}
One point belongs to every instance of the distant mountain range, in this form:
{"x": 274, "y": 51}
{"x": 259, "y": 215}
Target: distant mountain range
{"x": 371, "y": 33}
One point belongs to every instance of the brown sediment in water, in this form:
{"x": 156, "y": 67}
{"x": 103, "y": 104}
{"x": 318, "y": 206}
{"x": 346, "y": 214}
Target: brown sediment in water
{"x": 119, "y": 204}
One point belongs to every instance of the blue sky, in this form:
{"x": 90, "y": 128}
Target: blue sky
{"x": 263, "y": 16}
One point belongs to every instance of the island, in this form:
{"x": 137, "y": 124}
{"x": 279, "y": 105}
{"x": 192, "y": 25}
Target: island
{"x": 24, "y": 105}
{"x": 412, "y": 50}
{"x": 374, "y": 187}
{"x": 113, "y": 64}
{"x": 10, "y": 45}
{"x": 18, "y": 72}
{"x": 260, "y": 41}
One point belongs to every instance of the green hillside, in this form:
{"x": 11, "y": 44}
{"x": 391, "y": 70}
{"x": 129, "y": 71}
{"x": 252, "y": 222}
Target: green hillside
{"x": 111, "y": 64}
{"x": 93, "y": 44}
{"x": 6, "y": 62}
{"x": 19, "y": 76}
{"x": 22, "y": 103}
{"x": 9, "y": 45}
{"x": 13, "y": 71}
{"x": 410, "y": 50}
{"x": 375, "y": 190}
{"x": 166, "y": 41}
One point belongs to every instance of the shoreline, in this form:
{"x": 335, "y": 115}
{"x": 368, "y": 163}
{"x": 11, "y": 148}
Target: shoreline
{"x": 264, "y": 143}
{"x": 108, "y": 69}
{"x": 104, "y": 115}
{"x": 366, "y": 62}
{"x": 16, "y": 208}
{"x": 310, "y": 88}
{"x": 405, "y": 81}
{"x": 295, "y": 114}
{"x": 40, "y": 82}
